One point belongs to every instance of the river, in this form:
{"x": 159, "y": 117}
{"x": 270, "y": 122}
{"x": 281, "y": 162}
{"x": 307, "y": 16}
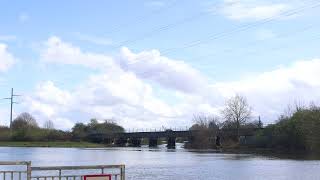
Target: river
{"x": 163, "y": 164}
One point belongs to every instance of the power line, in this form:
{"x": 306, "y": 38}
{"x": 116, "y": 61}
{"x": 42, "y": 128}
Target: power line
{"x": 257, "y": 41}
{"x": 241, "y": 28}
{"x": 142, "y": 18}
{"x": 166, "y": 27}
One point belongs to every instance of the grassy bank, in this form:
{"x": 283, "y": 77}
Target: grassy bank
{"x": 66, "y": 144}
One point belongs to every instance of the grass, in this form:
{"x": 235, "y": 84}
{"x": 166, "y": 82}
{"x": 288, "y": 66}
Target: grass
{"x": 67, "y": 144}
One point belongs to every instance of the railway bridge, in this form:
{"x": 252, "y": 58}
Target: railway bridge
{"x": 134, "y": 138}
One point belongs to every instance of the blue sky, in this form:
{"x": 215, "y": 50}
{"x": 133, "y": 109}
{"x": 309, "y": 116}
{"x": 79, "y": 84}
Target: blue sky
{"x": 157, "y": 62}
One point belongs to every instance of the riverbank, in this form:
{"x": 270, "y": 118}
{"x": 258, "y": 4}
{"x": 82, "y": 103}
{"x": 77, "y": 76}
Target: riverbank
{"x": 64, "y": 144}
{"x": 276, "y": 153}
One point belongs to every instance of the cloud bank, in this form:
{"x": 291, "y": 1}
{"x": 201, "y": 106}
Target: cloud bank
{"x": 126, "y": 87}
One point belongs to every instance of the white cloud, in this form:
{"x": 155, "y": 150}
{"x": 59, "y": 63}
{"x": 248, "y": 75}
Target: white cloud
{"x": 125, "y": 90}
{"x": 253, "y": 9}
{"x": 57, "y": 51}
{"x": 4, "y": 117}
{"x": 6, "y": 58}
{"x": 167, "y": 72}
{"x": 146, "y": 65}
{"x": 118, "y": 95}
{"x": 120, "y": 90}
{"x": 271, "y": 92}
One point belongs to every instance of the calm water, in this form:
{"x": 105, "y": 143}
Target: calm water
{"x": 145, "y": 163}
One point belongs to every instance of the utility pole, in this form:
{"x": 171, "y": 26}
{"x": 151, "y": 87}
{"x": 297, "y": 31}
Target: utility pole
{"x": 260, "y": 123}
{"x": 11, "y": 105}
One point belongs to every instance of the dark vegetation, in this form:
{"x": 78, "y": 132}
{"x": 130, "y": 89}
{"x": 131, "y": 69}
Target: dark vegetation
{"x": 26, "y": 129}
{"x": 297, "y": 131}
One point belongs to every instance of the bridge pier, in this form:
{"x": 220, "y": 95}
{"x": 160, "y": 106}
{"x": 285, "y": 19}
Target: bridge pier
{"x": 153, "y": 142}
{"x": 107, "y": 140}
{"x": 120, "y": 141}
{"x": 135, "y": 142}
{"x": 218, "y": 141}
{"x": 171, "y": 142}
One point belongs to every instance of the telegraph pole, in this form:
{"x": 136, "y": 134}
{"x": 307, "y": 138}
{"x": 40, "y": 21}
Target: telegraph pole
{"x": 11, "y": 105}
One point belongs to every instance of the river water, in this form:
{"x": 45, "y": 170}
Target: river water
{"x": 160, "y": 163}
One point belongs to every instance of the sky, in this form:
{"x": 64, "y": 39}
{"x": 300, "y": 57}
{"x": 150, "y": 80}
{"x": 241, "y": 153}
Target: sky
{"x": 156, "y": 63}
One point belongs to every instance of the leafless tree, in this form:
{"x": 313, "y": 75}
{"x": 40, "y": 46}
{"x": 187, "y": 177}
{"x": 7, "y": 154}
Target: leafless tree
{"x": 237, "y": 110}
{"x": 49, "y": 125}
{"x": 24, "y": 120}
{"x": 206, "y": 121}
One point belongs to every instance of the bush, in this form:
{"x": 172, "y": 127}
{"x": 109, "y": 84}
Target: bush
{"x": 82, "y": 131}
{"x": 298, "y": 132}
{"x": 4, "y": 133}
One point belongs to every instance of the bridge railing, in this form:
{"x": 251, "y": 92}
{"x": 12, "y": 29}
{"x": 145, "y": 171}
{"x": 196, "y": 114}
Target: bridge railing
{"x": 133, "y": 130}
{"x": 28, "y": 172}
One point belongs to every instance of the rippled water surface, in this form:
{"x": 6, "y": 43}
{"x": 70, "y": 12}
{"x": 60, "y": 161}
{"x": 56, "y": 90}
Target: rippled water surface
{"x": 160, "y": 163}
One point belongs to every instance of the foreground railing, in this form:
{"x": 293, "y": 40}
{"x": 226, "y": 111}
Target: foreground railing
{"x": 15, "y": 170}
{"x": 26, "y": 172}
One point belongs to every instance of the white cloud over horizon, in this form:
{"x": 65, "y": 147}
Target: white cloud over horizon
{"x": 123, "y": 89}
{"x": 271, "y": 92}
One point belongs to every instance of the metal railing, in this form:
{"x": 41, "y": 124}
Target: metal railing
{"x": 17, "y": 173}
{"x": 117, "y": 172}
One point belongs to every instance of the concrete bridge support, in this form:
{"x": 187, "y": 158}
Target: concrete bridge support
{"x": 135, "y": 142}
{"x": 153, "y": 142}
{"x": 120, "y": 141}
{"x": 107, "y": 141}
{"x": 171, "y": 142}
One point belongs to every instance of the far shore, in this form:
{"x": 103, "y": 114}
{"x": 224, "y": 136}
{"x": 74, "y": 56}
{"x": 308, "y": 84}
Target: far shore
{"x": 62, "y": 144}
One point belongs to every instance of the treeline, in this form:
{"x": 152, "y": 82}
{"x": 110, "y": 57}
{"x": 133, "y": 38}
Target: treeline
{"x": 26, "y": 128}
{"x": 297, "y": 131}
{"x": 224, "y": 130}
{"x": 211, "y": 133}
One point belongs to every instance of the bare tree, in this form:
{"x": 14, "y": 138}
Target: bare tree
{"x": 23, "y": 121}
{"x": 237, "y": 110}
{"x": 206, "y": 121}
{"x": 48, "y": 125}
